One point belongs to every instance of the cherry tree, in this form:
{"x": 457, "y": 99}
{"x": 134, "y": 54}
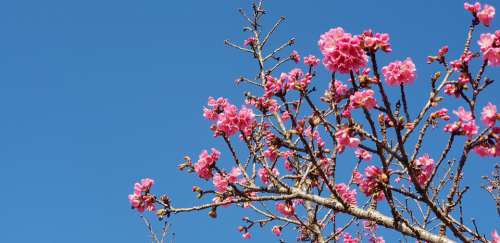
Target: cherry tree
{"x": 286, "y": 176}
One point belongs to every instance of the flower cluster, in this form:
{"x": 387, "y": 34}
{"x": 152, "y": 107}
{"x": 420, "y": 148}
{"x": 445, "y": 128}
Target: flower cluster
{"x": 364, "y": 98}
{"x": 141, "y": 199}
{"x": 223, "y": 180}
{"x": 342, "y": 51}
{"x": 466, "y": 125}
{"x": 347, "y": 196}
{"x": 490, "y": 47}
{"x": 371, "y": 183}
{"x": 400, "y": 72}
{"x": 344, "y": 138}
{"x": 484, "y": 15}
{"x": 228, "y": 120}
{"x": 311, "y": 60}
{"x": 376, "y": 41}
{"x": 424, "y": 168}
{"x": 265, "y": 176}
{"x": 206, "y": 163}
{"x": 363, "y": 154}
{"x": 286, "y": 208}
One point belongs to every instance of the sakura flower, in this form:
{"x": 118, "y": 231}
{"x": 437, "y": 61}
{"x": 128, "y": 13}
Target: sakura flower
{"x": 364, "y": 99}
{"x": 463, "y": 115}
{"x": 342, "y": 52}
{"x": 490, "y": 47}
{"x": 370, "y": 185}
{"x": 473, "y": 8}
{"x": 486, "y": 15}
{"x": 376, "y": 41}
{"x": 141, "y": 199}
{"x": 349, "y": 239}
{"x": 246, "y": 235}
{"x": 276, "y": 230}
{"x": 400, "y": 72}
{"x": 222, "y": 181}
{"x": 264, "y": 174}
{"x": 425, "y": 167}
{"x": 287, "y": 209}
{"x": 311, "y": 60}
{"x": 344, "y": 138}
{"x": 495, "y": 238}
{"x": 489, "y": 115}
{"x": 295, "y": 56}
{"x": 205, "y": 163}
{"x": 363, "y": 154}
{"x": 250, "y": 41}
{"x": 347, "y": 196}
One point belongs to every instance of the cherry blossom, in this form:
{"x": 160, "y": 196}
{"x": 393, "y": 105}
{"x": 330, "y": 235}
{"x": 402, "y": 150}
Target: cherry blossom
{"x": 342, "y": 51}
{"x": 400, "y": 72}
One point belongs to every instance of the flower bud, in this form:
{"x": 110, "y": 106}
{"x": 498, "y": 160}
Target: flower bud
{"x": 213, "y": 212}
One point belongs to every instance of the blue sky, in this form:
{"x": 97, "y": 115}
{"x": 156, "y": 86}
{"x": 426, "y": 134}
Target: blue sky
{"x": 95, "y": 95}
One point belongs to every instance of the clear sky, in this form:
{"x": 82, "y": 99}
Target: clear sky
{"x": 95, "y": 95}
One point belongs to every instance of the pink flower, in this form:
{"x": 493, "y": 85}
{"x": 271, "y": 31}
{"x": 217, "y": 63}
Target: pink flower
{"x": 377, "y": 41}
{"x": 297, "y": 80}
{"x": 344, "y": 138}
{"x": 495, "y": 238}
{"x": 246, "y": 235}
{"x": 222, "y": 181}
{"x": 472, "y": 8}
{"x": 484, "y": 150}
{"x": 216, "y": 106}
{"x": 276, "y": 230}
{"x": 442, "y": 114}
{"x": 370, "y": 184}
{"x": 141, "y": 199}
{"x": 400, "y": 72}
{"x": 363, "y": 154}
{"x": 347, "y": 196}
{"x": 490, "y": 47}
{"x": 489, "y": 115}
{"x": 443, "y": 51}
{"x": 250, "y": 41}
{"x": 470, "y": 128}
{"x": 486, "y": 15}
{"x": 377, "y": 239}
{"x": 342, "y": 52}
{"x": 349, "y": 239}
{"x": 425, "y": 167}
{"x": 295, "y": 56}
{"x": 363, "y": 99}
{"x": 264, "y": 174}
{"x": 287, "y": 209}
{"x": 311, "y": 60}
{"x": 285, "y": 116}
{"x": 463, "y": 115}
{"x": 205, "y": 163}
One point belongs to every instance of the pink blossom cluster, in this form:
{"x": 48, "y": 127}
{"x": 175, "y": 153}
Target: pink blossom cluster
{"x": 495, "y": 238}
{"x": 490, "y": 47}
{"x": 264, "y": 175}
{"x": 489, "y": 115}
{"x": 295, "y": 56}
{"x": 400, "y": 72}
{"x": 364, "y": 98}
{"x": 342, "y": 51}
{"x": 263, "y": 104}
{"x": 286, "y": 208}
{"x": 348, "y": 196}
{"x": 206, "y": 163}
{"x": 370, "y": 184}
{"x": 276, "y": 230}
{"x": 250, "y": 41}
{"x": 466, "y": 125}
{"x": 376, "y": 41}
{"x": 228, "y": 120}
{"x": 441, "y": 114}
{"x": 424, "y": 167}
{"x": 349, "y": 239}
{"x": 459, "y": 64}
{"x": 363, "y": 154}
{"x": 311, "y": 60}
{"x": 491, "y": 147}
{"x": 141, "y": 199}
{"x": 315, "y": 135}
{"x": 344, "y": 138}
{"x": 484, "y": 15}
{"x": 297, "y": 80}
{"x": 222, "y": 181}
